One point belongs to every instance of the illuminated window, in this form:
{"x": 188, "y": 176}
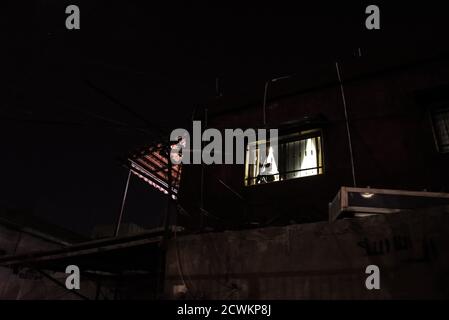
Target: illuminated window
{"x": 300, "y": 154}
{"x": 440, "y": 121}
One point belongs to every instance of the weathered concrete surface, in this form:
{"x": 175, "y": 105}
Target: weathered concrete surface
{"x": 317, "y": 260}
{"x": 27, "y": 283}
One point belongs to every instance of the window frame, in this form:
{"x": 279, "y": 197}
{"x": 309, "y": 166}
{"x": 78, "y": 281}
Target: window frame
{"x": 302, "y": 134}
{"x": 441, "y": 107}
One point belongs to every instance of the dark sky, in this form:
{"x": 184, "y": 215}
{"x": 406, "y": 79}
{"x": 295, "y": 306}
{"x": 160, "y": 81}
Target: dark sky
{"x": 61, "y": 137}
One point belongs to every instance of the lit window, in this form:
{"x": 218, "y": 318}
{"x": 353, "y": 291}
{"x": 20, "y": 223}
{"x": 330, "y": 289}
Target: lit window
{"x": 440, "y": 121}
{"x": 299, "y": 155}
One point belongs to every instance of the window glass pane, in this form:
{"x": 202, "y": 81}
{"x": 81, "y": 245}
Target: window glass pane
{"x": 308, "y": 161}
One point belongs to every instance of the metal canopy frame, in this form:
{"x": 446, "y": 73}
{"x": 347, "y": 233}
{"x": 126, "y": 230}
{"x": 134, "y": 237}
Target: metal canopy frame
{"x": 113, "y": 258}
{"x": 153, "y": 165}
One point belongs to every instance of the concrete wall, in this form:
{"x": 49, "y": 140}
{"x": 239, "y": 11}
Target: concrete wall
{"x": 27, "y": 283}
{"x": 317, "y": 260}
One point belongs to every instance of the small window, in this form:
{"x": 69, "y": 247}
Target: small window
{"x": 440, "y": 122}
{"x": 300, "y": 155}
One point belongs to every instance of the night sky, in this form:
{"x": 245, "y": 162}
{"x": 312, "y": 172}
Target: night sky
{"x": 77, "y": 100}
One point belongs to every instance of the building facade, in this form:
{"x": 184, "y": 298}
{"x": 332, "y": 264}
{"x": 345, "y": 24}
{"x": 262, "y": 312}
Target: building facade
{"x": 363, "y": 122}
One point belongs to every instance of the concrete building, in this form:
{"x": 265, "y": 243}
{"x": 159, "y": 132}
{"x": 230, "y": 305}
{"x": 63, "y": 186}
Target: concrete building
{"x": 375, "y": 121}
{"x": 380, "y": 122}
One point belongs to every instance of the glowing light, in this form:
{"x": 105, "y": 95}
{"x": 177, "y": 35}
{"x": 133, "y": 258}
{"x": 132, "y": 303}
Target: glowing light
{"x": 367, "y": 195}
{"x": 309, "y": 159}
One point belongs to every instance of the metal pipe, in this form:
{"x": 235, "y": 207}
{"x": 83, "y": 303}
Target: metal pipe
{"x": 166, "y": 222}
{"x": 202, "y": 178}
{"x": 232, "y": 190}
{"x": 265, "y": 103}
{"x": 348, "y": 131}
{"x": 125, "y": 193}
{"x": 169, "y": 199}
{"x": 266, "y": 94}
